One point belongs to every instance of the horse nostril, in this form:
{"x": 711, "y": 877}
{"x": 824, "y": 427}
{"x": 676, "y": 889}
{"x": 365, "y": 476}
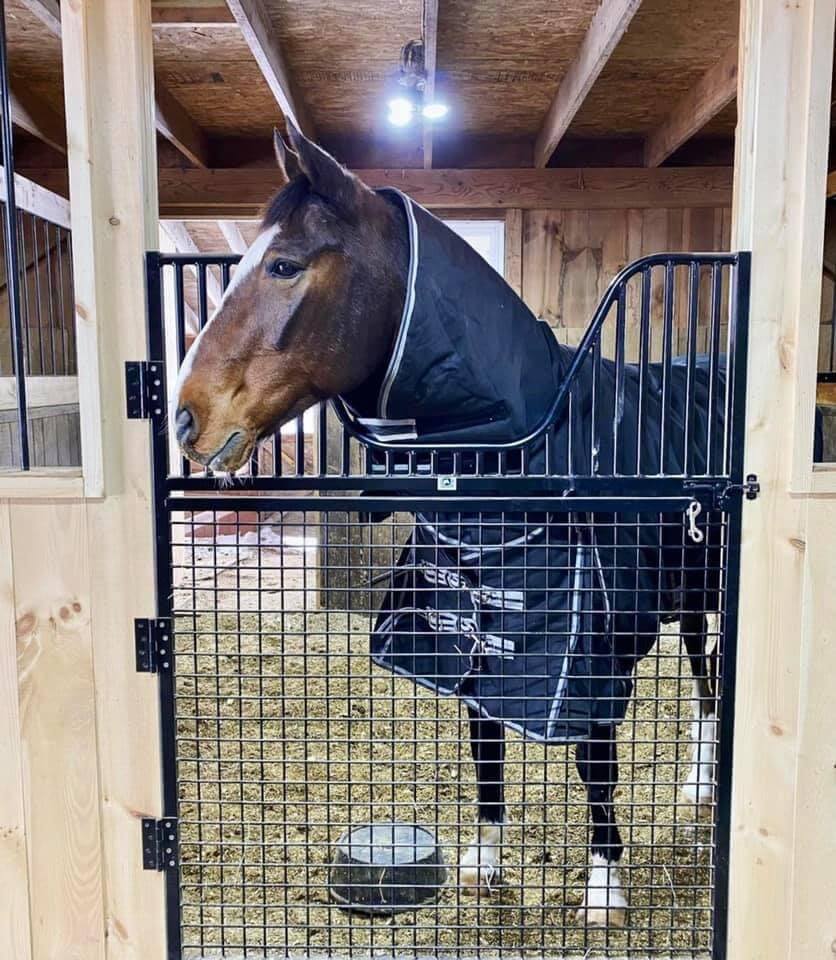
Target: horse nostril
{"x": 184, "y": 426}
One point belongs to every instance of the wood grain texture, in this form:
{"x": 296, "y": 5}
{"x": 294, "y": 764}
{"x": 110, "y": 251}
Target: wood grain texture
{"x": 113, "y": 175}
{"x": 514, "y": 249}
{"x": 15, "y": 933}
{"x": 430, "y": 34}
{"x": 609, "y": 24}
{"x": 258, "y": 31}
{"x": 58, "y": 730}
{"x": 36, "y": 117}
{"x": 178, "y": 128}
{"x": 176, "y": 13}
{"x": 35, "y": 199}
{"x": 779, "y": 854}
{"x": 715, "y": 90}
{"x": 241, "y": 193}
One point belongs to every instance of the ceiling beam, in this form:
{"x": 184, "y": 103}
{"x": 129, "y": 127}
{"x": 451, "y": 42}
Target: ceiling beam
{"x": 233, "y": 236}
{"x": 182, "y": 13}
{"x": 260, "y": 35}
{"x": 31, "y": 114}
{"x": 173, "y": 122}
{"x": 607, "y": 27}
{"x": 240, "y": 193}
{"x": 715, "y": 89}
{"x": 178, "y": 233}
{"x": 430, "y": 54}
{"x": 178, "y": 127}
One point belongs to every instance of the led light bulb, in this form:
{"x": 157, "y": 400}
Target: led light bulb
{"x": 435, "y": 111}
{"x": 400, "y": 111}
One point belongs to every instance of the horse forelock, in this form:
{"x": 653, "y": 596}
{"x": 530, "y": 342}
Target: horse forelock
{"x": 285, "y": 202}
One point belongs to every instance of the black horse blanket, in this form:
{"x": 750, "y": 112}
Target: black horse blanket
{"x": 536, "y": 621}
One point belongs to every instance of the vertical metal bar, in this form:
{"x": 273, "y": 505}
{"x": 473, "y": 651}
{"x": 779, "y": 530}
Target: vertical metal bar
{"x": 12, "y": 258}
{"x": 595, "y": 440}
{"x": 36, "y": 276}
{"x": 202, "y": 305}
{"x": 644, "y": 359}
{"x": 618, "y": 406}
{"x": 164, "y": 561}
{"x": 714, "y": 367}
{"x": 691, "y": 363}
{"x": 50, "y": 307}
{"x": 667, "y": 355}
{"x": 66, "y": 355}
{"x": 322, "y": 439}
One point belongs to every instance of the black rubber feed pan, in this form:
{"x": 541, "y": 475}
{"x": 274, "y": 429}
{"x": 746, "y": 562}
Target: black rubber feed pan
{"x": 386, "y": 868}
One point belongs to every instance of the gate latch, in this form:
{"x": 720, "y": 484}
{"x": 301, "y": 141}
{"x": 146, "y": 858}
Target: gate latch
{"x": 159, "y": 843}
{"x": 153, "y": 640}
{"x": 145, "y": 389}
{"x": 750, "y": 488}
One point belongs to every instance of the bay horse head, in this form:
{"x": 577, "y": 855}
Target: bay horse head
{"x": 310, "y": 313}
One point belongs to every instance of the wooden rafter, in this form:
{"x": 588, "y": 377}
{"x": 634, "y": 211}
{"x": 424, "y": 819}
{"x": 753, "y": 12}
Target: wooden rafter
{"x": 260, "y": 35}
{"x": 233, "y": 236}
{"x": 714, "y": 90}
{"x": 182, "y": 13}
{"x": 173, "y": 122}
{"x": 606, "y": 29}
{"x": 177, "y": 126}
{"x": 178, "y": 233}
{"x": 34, "y": 116}
{"x": 430, "y": 53}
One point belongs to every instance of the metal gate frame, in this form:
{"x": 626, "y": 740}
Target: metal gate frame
{"x": 147, "y": 399}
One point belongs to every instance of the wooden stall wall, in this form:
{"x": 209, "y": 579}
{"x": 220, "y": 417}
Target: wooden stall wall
{"x": 569, "y": 257}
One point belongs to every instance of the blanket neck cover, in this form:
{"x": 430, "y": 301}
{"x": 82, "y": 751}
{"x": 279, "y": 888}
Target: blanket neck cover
{"x": 537, "y": 622}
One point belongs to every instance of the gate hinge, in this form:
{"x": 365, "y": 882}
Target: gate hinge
{"x": 153, "y": 645}
{"x": 159, "y": 843}
{"x": 145, "y": 389}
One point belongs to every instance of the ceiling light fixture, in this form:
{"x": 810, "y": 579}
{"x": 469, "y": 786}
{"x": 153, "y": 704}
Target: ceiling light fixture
{"x": 408, "y": 91}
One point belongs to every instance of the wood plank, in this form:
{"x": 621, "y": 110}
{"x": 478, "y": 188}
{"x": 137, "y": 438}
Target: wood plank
{"x": 430, "y": 56}
{"x": 514, "y": 249}
{"x": 257, "y": 28}
{"x": 831, "y": 184}
{"x": 47, "y": 11}
{"x": 40, "y": 391}
{"x": 203, "y": 13}
{"x": 36, "y": 199}
{"x": 58, "y": 729}
{"x": 240, "y": 193}
{"x": 15, "y": 934}
{"x": 31, "y": 114}
{"x": 113, "y": 176}
{"x": 175, "y": 124}
{"x": 233, "y": 236}
{"x": 609, "y": 24}
{"x": 780, "y": 856}
{"x": 716, "y": 89}
{"x": 173, "y": 121}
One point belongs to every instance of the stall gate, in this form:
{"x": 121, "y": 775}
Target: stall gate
{"x": 281, "y": 731}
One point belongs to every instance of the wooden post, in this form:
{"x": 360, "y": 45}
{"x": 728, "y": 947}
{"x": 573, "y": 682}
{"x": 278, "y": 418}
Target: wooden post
{"x": 109, "y": 99}
{"x": 784, "y": 802}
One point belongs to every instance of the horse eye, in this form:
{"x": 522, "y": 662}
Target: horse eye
{"x": 284, "y": 269}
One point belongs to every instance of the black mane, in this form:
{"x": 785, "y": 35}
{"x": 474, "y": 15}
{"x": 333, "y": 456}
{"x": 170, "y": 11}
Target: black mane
{"x": 286, "y": 201}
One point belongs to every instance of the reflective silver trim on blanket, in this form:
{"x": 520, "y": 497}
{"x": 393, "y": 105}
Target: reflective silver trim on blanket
{"x": 409, "y": 304}
{"x": 382, "y": 429}
{"x": 474, "y": 551}
{"x": 577, "y": 591}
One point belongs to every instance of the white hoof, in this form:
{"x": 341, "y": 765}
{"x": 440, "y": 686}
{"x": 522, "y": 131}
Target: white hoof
{"x": 604, "y": 903}
{"x": 479, "y": 868}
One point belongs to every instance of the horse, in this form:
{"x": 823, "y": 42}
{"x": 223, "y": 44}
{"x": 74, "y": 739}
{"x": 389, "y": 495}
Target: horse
{"x": 312, "y": 312}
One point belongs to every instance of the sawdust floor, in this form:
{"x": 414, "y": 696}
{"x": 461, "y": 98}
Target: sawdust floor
{"x": 287, "y": 735}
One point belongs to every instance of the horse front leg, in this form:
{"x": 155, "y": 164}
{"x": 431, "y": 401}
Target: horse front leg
{"x": 480, "y": 865}
{"x": 698, "y": 787}
{"x": 604, "y": 903}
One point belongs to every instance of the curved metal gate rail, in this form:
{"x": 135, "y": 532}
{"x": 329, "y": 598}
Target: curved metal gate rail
{"x": 280, "y": 732}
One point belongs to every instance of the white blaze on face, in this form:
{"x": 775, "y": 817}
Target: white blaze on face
{"x": 249, "y": 262}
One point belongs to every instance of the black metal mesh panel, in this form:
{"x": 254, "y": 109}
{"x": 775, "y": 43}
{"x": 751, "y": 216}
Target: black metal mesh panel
{"x": 287, "y": 735}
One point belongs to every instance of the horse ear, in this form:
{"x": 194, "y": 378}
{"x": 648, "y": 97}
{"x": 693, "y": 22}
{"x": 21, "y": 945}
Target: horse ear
{"x": 287, "y": 160}
{"x": 327, "y": 177}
